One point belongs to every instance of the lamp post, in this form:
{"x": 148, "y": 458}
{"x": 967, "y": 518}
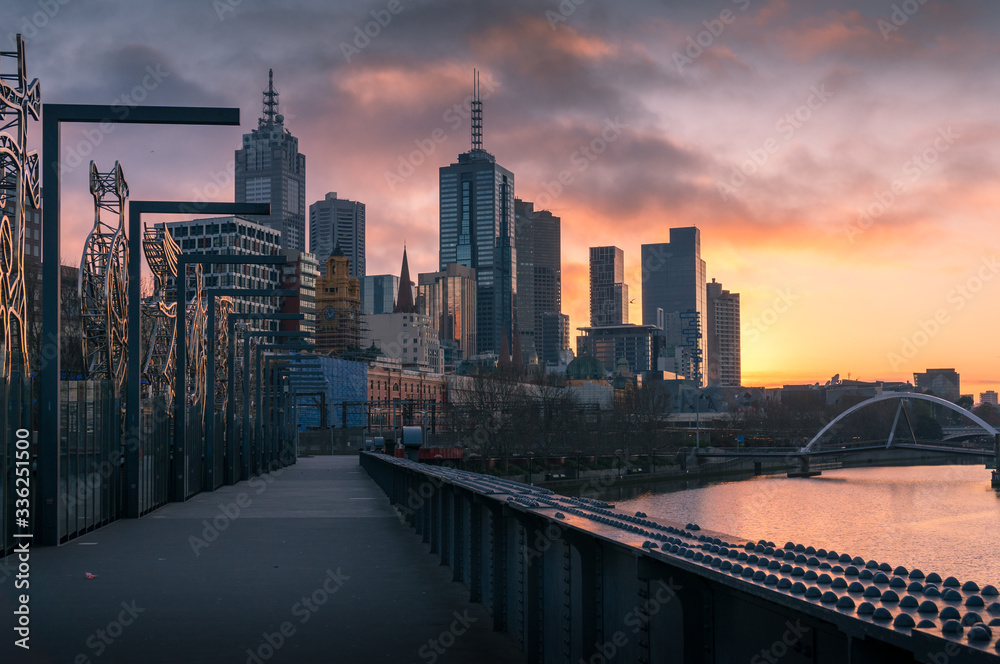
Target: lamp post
{"x": 531, "y": 456}
{"x": 618, "y": 455}
{"x": 578, "y": 454}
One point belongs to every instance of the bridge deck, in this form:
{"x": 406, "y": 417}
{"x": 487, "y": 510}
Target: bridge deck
{"x": 320, "y": 522}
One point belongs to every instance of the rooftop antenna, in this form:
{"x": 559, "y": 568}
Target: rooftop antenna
{"x": 270, "y": 101}
{"x": 477, "y": 114}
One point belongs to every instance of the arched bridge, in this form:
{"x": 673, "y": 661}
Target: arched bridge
{"x": 900, "y": 396}
{"x": 814, "y": 450}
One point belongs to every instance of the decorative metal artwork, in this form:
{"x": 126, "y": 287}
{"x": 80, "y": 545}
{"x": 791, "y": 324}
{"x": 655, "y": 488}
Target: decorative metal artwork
{"x": 160, "y": 312}
{"x": 19, "y": 187}
{"x": 103, "y": 280}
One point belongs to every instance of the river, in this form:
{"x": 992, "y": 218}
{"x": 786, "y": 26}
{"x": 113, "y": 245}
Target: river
{"x": 943, "y": 519}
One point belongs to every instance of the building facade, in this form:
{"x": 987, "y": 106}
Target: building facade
{"x": 723, "y": 336}
{"x": 608, "y": 291}
{"x": 989, "y": 397}
{"x": 639, "y": 345}
{"x": 270, "y": 169}
{"x": 943, "y": 383}
{"x": 300, "y": 274}
{"x": 232, "y": 236}
{"x": 378, "y": 293}
{"x": 338, "y": 308}
{"x": 337, "y": 222}
{"x": 448, "y": 299}
{"x": 555, "y": 339}
{"x": 476, "y": 197}
{"x": 673, "y": 280}
{"x": 407, "y": 337}
{"x": 539, "y": 276}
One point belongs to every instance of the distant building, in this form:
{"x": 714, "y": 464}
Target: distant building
{"x": 405, "y": 334}
{"x": 555, "y": 339}
{"x": 270, "y": 169}
{"x": 673, "y": 280}
{"x": 638, "y": 345}
{"x": 337, "y": 222}
{"x": 608, "y": 291}
{"x": 681, "y": 344}
{"x": 300, "y": 274}
{"x": 477, "y": 231}
{"x": 378, "y": 293}
{"x": 943, "y": 383}
{"x": 539, "y": 279}
{"x": 990, "y": 397}
{"x": 338, "y": 308}
{"x": 231, "y": 236}
{"x": 723, "y": 336}
{"x": 448, "y": 299}
{"x": 390, "y": 386}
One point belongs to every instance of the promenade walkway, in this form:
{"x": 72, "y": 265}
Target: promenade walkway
{"x": 307, "y": 565}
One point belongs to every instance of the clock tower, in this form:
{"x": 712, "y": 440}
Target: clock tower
{"x": 338, "y": 307}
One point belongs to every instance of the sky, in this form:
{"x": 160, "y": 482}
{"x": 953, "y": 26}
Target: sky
{"x": 840, "y": 158}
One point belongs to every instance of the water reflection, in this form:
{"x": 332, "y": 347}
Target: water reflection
{"x": 944, "y": 519}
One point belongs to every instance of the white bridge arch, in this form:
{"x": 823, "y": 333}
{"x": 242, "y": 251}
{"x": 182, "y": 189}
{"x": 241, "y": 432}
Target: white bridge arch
{"x": 900, "y": 395}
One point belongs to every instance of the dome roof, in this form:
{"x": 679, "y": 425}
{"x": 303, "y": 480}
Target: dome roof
{"x": 586, "y": 367}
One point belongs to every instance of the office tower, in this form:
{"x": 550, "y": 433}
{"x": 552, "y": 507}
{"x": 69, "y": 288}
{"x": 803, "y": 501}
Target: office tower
{"x": 673, "y": 280}
{"x": 477, "y": 231}
{"x": 337, "y": 222}
{"x": 232, "y": 236}
{"x": 555, "y": 338}
{"x": 539, "y": 277}
{"x": 299, "y": 274}
{"x": 378, "y": 293}
{"x": 639, "y": 345}
{"x": 338, "y": 307}
{"x": 270, "y": 169}
{"x": 943, "y": 383}
{"x": 723, "y": 336}
{"x": 608, "y": 291}
{"x": 448, "y": 298}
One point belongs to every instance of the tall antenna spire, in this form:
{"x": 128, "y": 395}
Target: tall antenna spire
{"x": 477, "y": 114}
{"x": 270, "y": 101}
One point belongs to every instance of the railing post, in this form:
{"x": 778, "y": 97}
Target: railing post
{"x": 475, "y": 550}
{"x": 458, "y": 567}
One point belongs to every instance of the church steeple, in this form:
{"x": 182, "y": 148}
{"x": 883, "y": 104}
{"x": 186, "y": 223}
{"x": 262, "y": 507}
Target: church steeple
{"x": 404, "y": 299}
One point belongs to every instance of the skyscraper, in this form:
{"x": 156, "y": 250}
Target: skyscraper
{"x": 477, "y": 231}
{"x": 448, "y": 298}
{"x": 608, "y": 291}
{"x": 539, "y": 276}
{"x": 723, "y": 336}
{"x": 337, "y": 222}
{"x": 270, "y": 169}
{"x": 673, "y": 280}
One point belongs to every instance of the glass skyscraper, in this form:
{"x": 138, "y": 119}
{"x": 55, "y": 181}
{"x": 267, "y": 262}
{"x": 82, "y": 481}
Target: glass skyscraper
{"x": 673, "y": 280}
{"x": 477, "y": 231}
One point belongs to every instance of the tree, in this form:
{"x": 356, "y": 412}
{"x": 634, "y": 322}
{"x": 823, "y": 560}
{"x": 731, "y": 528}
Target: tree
{"x": 927, "y": 428}
{"x": 488, "y": 412}
{"x": 650, "y": 406}
{"x": 988, "y": 412}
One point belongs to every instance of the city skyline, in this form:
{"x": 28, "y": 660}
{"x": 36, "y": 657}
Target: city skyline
{"x": 772, "y": 161}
